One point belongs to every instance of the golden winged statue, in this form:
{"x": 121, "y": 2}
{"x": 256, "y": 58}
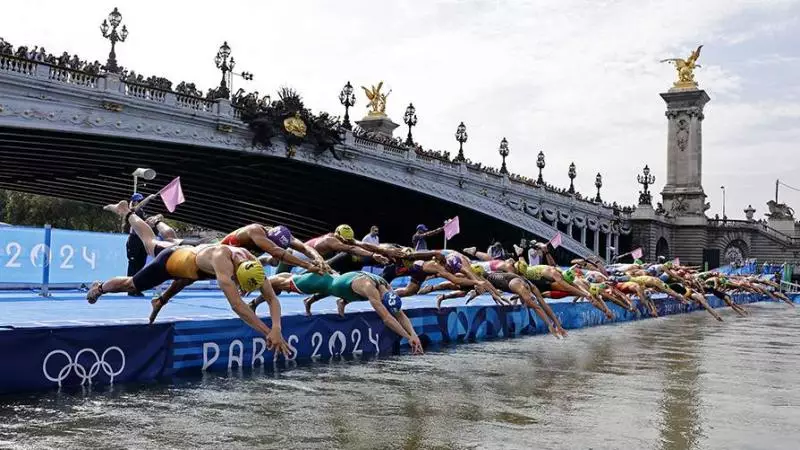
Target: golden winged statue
{"x": 686, "y": 69}
{"x": 377, "y": 100}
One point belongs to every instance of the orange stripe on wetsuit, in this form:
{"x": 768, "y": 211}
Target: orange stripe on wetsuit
{"x": 182, "y": 263}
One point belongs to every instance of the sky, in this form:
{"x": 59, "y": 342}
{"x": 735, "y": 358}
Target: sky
{"x": 576, "y": 79}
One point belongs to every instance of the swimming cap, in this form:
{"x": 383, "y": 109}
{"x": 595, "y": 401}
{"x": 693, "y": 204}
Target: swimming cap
{"x": 521, "y": 267}
{"x": 392, "y": 302}
{"x": 569, "y": 276}
{"x": 477, "y": 269}
{"x": 280, "y": 236}
{"x": 250, "y": 275}
{"x": 453, "y": 263}
{"x": 597, "y": 288}
{"x": 638, "y": 261}
{"x": 668, "y": 265}
{"x": 345, "y": 232}
{"x": 137, "y": 197}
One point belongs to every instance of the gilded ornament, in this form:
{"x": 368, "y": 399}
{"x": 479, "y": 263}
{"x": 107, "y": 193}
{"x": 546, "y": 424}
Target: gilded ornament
{"x": 295, "y": 126}
{"x": 377, "y": 100}
{"x": 685, "y": 69}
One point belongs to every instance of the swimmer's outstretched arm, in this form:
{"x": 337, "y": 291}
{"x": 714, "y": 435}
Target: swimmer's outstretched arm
{"x": 223, "y": 267}
{"x": 414, "y": 342}
{"x": 260, "y": 239}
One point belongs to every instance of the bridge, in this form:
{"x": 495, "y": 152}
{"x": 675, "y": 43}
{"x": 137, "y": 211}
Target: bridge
{"x": 79, "y": 134}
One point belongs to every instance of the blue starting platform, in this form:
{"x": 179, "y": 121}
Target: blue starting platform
{"x": 62, "y": 341}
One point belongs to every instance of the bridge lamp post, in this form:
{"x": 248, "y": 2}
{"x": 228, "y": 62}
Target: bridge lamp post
{"x": 115, "y": 18}
{"x": 147, "y": 174}
{"x": 598, "y": 183}
{"x": 540, "y": 165}
{"x": 503, "y": 150}
{"x": 645, "y": 180}
{"x": 724, "y": 216}
{"x": 410, "y": 119}
{"x": 225, "y": 65}
{"x": 461, "y": 137}
{"x": 572, "y": 174}
{"x": 347, "y": 99}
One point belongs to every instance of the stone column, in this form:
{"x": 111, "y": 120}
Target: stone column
{"x": 569, "y": 228}
{"x": 683, "y": 193}
{"x": 597, "y": 241}
{"x": 583, "y": 235}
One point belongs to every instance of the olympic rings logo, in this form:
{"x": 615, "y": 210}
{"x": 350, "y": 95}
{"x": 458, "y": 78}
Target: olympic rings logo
{"x": 80, "y": 370}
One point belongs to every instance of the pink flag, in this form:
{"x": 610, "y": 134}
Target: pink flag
{"x": 172, "y": 194}
{"x": 451, "y": 228}
{"x": 677, "y": 262}
{"x": 637, "y": 254}
{"x": 556, "y": 241}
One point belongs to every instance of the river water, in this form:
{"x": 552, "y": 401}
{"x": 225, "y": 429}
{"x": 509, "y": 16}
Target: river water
{"x": 671, "y": 383}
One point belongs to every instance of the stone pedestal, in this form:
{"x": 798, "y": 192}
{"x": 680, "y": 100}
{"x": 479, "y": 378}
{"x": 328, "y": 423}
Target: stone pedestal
{"x": 377, "y": 124}
{"x": 785, "y": 226}
{"x": 683, "y": 193}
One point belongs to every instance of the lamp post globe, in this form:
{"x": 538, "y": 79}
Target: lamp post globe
{"x": 347, "y": 99}
{"x": 461, "y": 137}
{"x": 504, "y": 151}
{"x": 410, "y": 119}
{"x": 540, "y": 165}
{"x": 572, "y": 173}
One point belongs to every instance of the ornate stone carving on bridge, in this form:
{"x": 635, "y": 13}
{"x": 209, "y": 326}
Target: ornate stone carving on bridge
{"x": 778, "y": 211}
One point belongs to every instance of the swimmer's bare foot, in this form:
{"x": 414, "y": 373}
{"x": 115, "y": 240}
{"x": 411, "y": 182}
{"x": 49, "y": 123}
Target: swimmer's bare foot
{"x": 157, "y": 303}
{"x": 562, "y": 332}
{"x": 439, "y": 300}
{"x": 425, "y": 290}
{"x": 307, "y": 303}
{"x": 95, "y": 292}
{"x": 340, "y": 306}
{"x": 119, "y": 209}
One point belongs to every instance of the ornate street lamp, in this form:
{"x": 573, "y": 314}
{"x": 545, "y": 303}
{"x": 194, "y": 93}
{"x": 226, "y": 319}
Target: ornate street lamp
{"x": 115, "y": 18}
{"x": 410, "y": 119}
{"x": 598, "y": 183}
{"x": 572, "y": 174}
{"x": 461, "y": 137}
{"x": 226, "y": 66}
{"x": 540, "y": 165}
{"x": 347, "y": 99}
{"x": 645, "y": 180}
{"x": 503, "y": 150}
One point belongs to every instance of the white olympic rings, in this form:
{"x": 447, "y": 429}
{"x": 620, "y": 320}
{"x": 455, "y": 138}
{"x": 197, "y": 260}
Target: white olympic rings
{"x": 80, "y": 370}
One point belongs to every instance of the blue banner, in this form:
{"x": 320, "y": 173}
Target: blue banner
{"x": 70, "y": 357}
{"x": 22, "y": 253}
{"x": 230, "y": 344}
{"x": 74, "y": 256}
{"x": 80, "y": 256}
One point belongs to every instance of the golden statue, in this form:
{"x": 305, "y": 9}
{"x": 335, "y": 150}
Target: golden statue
{"x": 377, "y": 100}
{"x": 295, "y": 125}
{"x": 686, "y": 69}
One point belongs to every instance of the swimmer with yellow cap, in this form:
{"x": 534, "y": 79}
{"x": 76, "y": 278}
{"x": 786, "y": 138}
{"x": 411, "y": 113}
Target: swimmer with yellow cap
{"x": 236, "y": 270}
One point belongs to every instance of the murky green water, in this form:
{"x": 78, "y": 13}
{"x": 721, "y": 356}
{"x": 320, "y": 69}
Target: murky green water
{"x": 672, "y": 383}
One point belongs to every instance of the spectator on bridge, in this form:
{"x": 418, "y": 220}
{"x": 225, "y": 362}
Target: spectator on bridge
{"x": 137, "y": 253}
{"x": 418, "y": 241}
{"x": 372, "y": 237}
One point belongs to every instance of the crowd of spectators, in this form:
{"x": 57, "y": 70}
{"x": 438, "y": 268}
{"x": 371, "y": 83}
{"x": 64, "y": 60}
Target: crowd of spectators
{"x": 39, "y": 54}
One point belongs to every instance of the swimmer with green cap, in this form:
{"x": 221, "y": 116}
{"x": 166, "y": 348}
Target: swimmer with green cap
{"x": 352, "y": 287}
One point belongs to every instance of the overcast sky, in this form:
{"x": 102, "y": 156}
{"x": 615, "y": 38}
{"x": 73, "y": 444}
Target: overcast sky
{"x": 578, "y": 79}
